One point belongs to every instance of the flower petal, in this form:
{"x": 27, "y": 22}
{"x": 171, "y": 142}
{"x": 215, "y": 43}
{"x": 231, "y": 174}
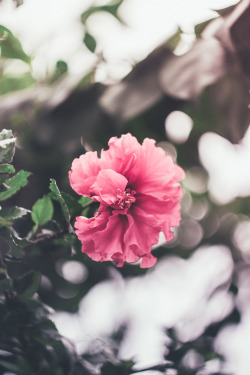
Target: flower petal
{"x": 142, "y": 233}
{"x": 103, "y": 235}
{"x": 148, "y": 261}
{"x": 106, "y": 185}
{"x": 84, "y": 172}
{"x": 122, "y": 154}
{"x": 157, "y": 171}
{"x": 166, "y": 212}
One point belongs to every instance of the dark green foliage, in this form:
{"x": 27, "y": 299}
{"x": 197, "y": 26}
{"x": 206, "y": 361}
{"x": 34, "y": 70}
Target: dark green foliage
{"x": 123, "y": 368}
{"x": 10, "y": 214}
{"x": 27, "y": 284}
{"x": 42, "y": 211}
{"x": 30, "y": 341}
{"x": 7, "y": 168}
{"x": 58, "y": 196}
{"x": 13, "y": 184}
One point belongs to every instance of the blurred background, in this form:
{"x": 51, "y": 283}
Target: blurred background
{"x": 75, "y": 73}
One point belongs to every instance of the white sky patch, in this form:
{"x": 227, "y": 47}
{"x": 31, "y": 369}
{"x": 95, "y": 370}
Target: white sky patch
{"x": 227, "y": 165}
{"x": 50, "y": 30}
{"x": 234, "y": 340}
{"x": 148, "y": 304}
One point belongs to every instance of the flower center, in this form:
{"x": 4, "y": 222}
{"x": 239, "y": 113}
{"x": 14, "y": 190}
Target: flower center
{"x": 124, "y": 199}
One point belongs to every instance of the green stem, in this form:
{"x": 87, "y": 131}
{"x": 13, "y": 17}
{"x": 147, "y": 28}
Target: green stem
{"x": 87, "y": 204}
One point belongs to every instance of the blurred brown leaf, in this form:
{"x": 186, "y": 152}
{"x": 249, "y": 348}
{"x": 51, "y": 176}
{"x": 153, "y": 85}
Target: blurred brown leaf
{"x": 186, "y": 76}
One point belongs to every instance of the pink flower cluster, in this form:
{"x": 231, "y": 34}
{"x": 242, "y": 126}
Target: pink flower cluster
{"x": 138, "y": 190}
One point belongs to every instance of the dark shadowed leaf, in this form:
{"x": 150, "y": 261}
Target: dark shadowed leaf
{"x": 14, "y": 243}
{"x": 123, "y": 368}
{"x": 139, "y": 90}
{"x": 73, "y": 205}
{"x": 6, "y": 285}
{"x": 15, "y": 250}
{"x": 12, "y": 213}
{"x": 232, "y": 30}
{"x": 4, "y": 245}
{"x": 185, "y": 76}
{"x": 223, "y": 108}
{"x": 27, "y": 284}
{"x": 58, "y": 196}
{"x": 42, "y": 211}
{"x": 4, "y": 222}
{"x": 9, "y": 366}
{"x": 14, "y": 184}
{"x": 241, "y": 36}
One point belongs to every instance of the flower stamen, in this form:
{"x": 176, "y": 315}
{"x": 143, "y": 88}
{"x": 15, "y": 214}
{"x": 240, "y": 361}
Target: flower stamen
{"x": 124, "y": 199}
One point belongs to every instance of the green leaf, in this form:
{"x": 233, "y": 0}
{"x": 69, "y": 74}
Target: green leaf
{"x": 14, "y": 184}
{"x": 4, "y": 244}
{"x": 7, "y": 146}
{"x": 4, "y": 222}
{"x": 10, "y": 82}
{"x": 42, "y": 211}
{"x": 7, "y": 168}
{"x": 6, "y": 285}
{"x": 73, "y": 206}
{"x": 89, "y": 42}
{"x": 11, "y": 241}
{"x": 12, "y": 213}
{"x": 61, "y": 69}
{"x": 3, "y": 177}
{"x": 84, "y": 201}
{"x": 9, "y": 366}
{"x": 58, "y": 196}
{"x": 111, "y": 8}
{"x": 27, "y": 284}
{"x": 10, "y": 46}
{"x": 123, "y": 368}
{"x": 15, "y": 250}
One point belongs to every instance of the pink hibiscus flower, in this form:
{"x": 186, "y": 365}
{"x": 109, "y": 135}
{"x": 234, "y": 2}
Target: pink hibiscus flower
{"x": 138, "y": 191}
